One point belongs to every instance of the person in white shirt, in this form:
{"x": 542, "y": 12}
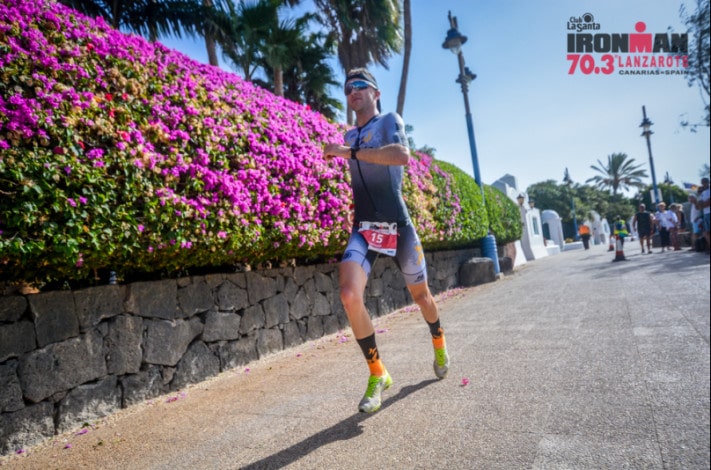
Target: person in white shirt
{"x": 666, "y": 221}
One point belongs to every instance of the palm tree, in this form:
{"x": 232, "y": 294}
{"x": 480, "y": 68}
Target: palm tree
{"x": 217, "y": 23}
{"x": 249, "y": 25}
{"x": 280, "y": 56}
{"x": 619, "y": 173}
{"x": 307, "y": 79}
{"x": 149, "y": 18}
{"x": 407, "y": 23}
{"x": 281, "y": 47}
{"x": 699, "y": 31}
{"x": 210, "y": 44}
{"x": 365, "y": 31}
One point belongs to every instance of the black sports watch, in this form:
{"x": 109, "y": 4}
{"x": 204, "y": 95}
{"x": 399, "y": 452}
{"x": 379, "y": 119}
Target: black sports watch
{"x": 353, "y": 153}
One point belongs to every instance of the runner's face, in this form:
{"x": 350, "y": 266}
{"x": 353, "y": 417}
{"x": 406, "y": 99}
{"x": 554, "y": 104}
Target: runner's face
{"x": 359, "y": 99}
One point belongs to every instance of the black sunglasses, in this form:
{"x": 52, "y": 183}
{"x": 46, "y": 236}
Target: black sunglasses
{"x": 356, "y": 85}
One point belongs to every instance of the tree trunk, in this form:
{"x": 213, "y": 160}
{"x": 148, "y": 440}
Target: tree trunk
{"x": 211, "y": 50}
{"x": 278, "y": 81}
{"x": 210, "y": 41}
{"x": 406, "y": 57}
{"x": 116, "y": 14}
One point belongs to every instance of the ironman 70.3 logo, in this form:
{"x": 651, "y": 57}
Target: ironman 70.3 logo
{"x": 634, "y": 53}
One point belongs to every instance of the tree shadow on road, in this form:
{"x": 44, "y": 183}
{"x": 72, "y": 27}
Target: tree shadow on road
{"x": 346, "y": 429}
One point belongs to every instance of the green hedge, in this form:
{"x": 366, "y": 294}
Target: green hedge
{"x": 504, "y": 216}
{"x": 118, "y": 154}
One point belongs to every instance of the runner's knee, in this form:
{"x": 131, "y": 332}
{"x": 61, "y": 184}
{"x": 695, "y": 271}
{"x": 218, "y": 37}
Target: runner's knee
{"x": 422, "y": 296}
{"x": 350, "y": 296}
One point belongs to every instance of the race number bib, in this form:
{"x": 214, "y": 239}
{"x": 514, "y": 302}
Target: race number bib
{"x": 380, "y": 236}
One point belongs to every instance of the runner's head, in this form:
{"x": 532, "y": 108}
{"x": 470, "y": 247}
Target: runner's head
{"x": 360, "y": 79}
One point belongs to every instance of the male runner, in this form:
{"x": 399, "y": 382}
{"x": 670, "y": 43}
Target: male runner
{"x": 377, "y": 153}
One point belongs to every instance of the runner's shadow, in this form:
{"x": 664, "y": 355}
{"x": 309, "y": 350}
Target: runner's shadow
{"x": 346, "y": 429}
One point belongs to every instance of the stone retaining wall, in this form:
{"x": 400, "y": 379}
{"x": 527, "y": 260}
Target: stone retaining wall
{"x": 70, "y": 357}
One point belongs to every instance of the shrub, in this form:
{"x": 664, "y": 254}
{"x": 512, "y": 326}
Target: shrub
{"x": 121, "y": 154}
{"x": 504, "y": 216}
{"x": 470, "y": 220}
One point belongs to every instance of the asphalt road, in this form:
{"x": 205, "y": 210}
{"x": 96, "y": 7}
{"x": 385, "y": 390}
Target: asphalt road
{"x": 571, "y": 362}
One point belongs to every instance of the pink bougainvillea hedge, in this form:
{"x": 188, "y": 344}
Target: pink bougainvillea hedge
{"x": 120, "y": 154}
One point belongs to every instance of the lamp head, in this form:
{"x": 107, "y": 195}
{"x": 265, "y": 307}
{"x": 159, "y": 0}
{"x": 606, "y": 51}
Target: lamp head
{"x": 454, "y": 41}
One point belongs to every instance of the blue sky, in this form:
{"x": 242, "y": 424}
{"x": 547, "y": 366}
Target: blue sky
{"x": 532, "y": 119}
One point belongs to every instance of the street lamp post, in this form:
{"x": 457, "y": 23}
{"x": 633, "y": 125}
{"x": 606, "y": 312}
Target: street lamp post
{"x": 569, "y": 183}
{"x": 453, "y": 42}
{"x": 646, "y": 132}
{"x": 668, "y": 181}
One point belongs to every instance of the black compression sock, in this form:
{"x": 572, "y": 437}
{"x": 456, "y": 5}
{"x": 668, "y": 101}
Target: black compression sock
{"x": 435, "y": 329}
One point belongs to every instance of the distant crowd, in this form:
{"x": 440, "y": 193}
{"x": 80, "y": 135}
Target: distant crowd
{"x": 673, "y": 227}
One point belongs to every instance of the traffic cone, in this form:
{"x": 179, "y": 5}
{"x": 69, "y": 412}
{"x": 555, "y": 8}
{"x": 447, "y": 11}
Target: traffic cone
{"x": 619, "y": 252}
{"x": 612, "y": 243}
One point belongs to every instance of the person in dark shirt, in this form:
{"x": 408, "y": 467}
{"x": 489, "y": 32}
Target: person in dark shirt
{"x": 643, "y": 224}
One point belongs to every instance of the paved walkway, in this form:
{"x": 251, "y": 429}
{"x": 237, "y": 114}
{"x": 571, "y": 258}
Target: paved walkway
{"x": 572, "y": 362}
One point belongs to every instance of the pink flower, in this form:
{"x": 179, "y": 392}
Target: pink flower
{"x": 465, "y": 382}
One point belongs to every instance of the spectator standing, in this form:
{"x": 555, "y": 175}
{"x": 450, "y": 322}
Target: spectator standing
{"x": 584, "y": 232}
{"x": 666, "y": 221}
{"x": 643, "y": 224}
{"x": 697, "y": 223}
{"x": 677, "y": 209}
